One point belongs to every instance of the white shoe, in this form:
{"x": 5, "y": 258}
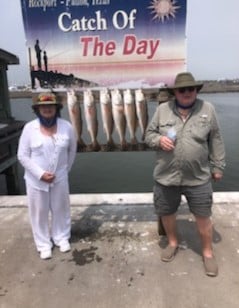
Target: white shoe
{"x": 45, "y": 254}
{"x": 65, "y": 246}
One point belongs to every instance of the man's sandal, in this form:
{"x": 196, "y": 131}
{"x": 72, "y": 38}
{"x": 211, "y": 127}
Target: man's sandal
{"x": 169, "y": 253}
{"x": 210, "y": 266}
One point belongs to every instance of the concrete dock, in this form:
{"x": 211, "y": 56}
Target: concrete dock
{"x": 115, "y": 257}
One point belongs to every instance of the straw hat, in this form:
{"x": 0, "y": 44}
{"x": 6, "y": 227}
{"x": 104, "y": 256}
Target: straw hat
{"x": 184, "y": 80}
{"x": 164, "y": 95}
{"x": 46, "y": 98}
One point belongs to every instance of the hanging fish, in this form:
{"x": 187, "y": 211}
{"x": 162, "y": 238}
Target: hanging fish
{"x": 141, "y": 111}
{"x": 91, "y": 119}
{"x": 107, "y": 117}
{"x": 130, "y": 115}
{"x": 119, "y": 117}
{"x": 74, "y": 111}
{"x": 37, "y": 84}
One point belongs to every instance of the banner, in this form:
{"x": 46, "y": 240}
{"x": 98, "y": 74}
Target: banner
{"x": 105, "y": 43}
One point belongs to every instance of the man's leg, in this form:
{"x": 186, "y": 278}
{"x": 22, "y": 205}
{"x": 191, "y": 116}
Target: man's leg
{"x": 200, "y": 203}
{"x": 166, "y": 201}
{"x": 161, "y": 230}
{"x": 204, "y": 226}
{"x": 169, "y": 223}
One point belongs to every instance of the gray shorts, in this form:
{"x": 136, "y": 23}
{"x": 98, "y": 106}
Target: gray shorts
{"x": 168, "y": 198}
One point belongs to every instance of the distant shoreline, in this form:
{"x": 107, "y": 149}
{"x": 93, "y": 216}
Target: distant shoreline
{"x": 209, "y": 87}
{"x": 220, "y": 86}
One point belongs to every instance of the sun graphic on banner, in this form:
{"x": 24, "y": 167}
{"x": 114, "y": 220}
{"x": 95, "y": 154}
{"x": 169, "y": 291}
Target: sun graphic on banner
{"x": 163, "y": 9}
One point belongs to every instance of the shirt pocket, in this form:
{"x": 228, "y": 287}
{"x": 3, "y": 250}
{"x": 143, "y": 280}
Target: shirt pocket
{"x": 165, "y": 125}
{"x": 37, "y": 148}
{"x": 200, "y": 129}
{"x": 63, "y": 141}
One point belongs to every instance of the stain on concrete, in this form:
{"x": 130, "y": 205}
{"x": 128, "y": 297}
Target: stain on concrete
{"x": 85, "y": 256}
{"x": 71, "y": 277}
{"x": 3, "y": 291}
{"x": 109, "y": 235}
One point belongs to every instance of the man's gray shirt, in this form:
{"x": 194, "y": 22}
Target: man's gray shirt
{"x": 199, "y": 148}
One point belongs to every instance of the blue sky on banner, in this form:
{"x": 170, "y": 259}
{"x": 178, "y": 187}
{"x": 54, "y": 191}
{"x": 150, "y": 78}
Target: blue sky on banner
{"x": 212, "y": 39}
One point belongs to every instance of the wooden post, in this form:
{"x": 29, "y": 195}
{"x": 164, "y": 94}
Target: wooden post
{"x": 12, "y": 180}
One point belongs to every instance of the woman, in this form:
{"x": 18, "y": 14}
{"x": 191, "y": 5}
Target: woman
{"x": 47, "y": 149}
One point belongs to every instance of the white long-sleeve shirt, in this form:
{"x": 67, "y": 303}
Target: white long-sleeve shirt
{"x": 39, "y": 153}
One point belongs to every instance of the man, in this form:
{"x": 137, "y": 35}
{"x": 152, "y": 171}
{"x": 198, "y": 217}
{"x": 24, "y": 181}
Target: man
{"x": 38, "y": 54}
{"x": 45, "y": 59}
{"x": 190, "y": 151}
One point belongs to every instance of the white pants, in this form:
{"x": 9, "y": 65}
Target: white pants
{"x": 56, "y": 226}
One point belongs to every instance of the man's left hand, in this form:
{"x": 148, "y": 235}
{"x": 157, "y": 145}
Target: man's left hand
{"x": 217, "y": 176}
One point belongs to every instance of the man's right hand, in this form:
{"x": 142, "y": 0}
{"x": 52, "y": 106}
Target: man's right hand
{"x": 166, "y": 144}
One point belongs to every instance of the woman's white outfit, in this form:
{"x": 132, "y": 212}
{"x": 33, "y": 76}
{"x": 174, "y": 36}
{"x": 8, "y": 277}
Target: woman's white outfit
{"x": 39, "y": 153}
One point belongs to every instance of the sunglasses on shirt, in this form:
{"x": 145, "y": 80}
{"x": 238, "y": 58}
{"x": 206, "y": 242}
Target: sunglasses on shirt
{"x": 183, "y": 90}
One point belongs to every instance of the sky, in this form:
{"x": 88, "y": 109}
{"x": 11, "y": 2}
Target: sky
{"x": 211, "y": 36}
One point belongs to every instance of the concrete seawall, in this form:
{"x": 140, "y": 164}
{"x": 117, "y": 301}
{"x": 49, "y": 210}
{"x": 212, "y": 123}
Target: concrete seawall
{"x": 114, "y": 199}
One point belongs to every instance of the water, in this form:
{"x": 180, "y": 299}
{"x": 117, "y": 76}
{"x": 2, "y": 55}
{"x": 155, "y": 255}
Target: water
{"x": 123, "y": 172}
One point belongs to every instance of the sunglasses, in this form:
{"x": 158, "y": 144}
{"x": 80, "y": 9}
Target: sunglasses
{"x": 183, "y": 90}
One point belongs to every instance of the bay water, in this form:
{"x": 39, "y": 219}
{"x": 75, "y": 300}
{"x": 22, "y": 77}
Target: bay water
{"x": 131, "y": 172}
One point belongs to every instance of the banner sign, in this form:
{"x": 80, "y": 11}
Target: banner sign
{"x": 106, "y": 43}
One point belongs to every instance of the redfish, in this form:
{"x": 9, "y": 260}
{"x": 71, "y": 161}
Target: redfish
{"x": 141, "y": 111}
{"x": 119, "y": 117}
{"x": 130, "y": 115}
{"x": 75, "y": 116}
{"x": 107, "y": 117}
{"x": 91, "y": 119}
